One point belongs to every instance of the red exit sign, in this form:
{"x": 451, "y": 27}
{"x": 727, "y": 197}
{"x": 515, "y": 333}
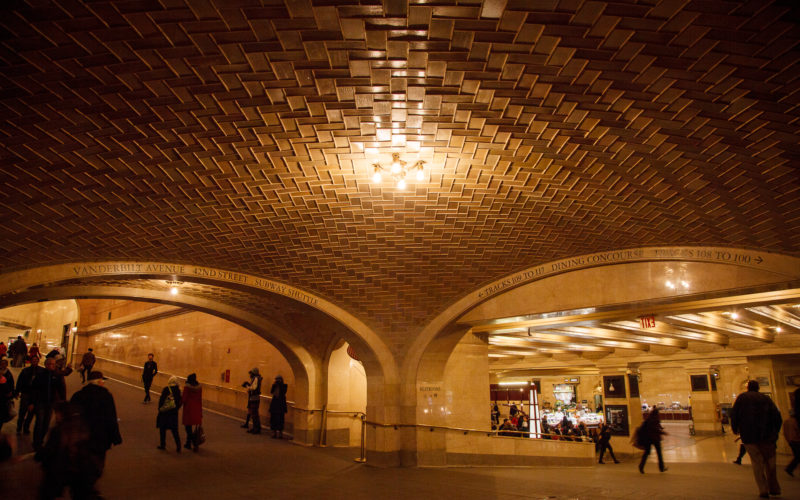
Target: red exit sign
{"x": 648, "y": 321}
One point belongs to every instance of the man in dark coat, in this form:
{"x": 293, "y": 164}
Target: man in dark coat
{"x": 278, "y": 407}
{"x": 97, "y": 408}
{"x": 18, "y": 351}
{"x": 47, "y": 389}
{"x": 758, "y": 422}
{"x": 25, "y": 392}
{"x": 148, "y": 374}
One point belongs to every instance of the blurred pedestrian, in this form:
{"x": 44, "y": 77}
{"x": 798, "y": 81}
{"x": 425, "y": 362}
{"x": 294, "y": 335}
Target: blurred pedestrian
{"x": 47, "y": 389}
{"x": 651, "y": 434}
{"x": 720, "y": 417}
{"x": 18, "y": 351}
{"x": 168, "y": 405}
{"x": 758, "y": 422}
{"x": 64, "y": 456}
{"x": 278, "y": 407}
{"x": 192, "y": 410}
{"x": 742, "y": 452}
{"x": 604, "y": 443}
{"x": 24, "y": 391}
{"x": 791, "y": 432}
{"x": 97, "y": 408}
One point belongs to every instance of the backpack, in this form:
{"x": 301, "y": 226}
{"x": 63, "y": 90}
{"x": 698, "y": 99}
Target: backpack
{"x": 169, "y": 403}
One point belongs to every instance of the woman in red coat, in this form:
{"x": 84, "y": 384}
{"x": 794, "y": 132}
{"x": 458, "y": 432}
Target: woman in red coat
{"x": 192, "y": 399}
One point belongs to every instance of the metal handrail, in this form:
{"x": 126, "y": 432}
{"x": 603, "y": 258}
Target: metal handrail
{"x": 496, "y": 432}
{"x": 355, "y": 413}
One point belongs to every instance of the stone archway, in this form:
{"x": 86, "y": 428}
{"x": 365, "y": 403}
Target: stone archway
{"x": 512, "y": 295}
{"x": 238, "y": 298}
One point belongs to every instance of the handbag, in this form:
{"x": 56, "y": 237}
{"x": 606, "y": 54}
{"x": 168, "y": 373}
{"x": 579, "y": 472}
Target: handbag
{"x": 199, "y": 436}
{"x": 169, "y": 403}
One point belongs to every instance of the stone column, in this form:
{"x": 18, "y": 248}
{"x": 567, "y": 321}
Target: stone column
{"x": 621, "y": 400}
{"x": 704, "y": 398}
{"x": 459, "y": 398}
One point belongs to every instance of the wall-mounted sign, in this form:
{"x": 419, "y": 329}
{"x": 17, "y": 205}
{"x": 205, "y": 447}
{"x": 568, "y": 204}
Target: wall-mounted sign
{"x": 647, "y": 321}
{"x": 572, "y": 380}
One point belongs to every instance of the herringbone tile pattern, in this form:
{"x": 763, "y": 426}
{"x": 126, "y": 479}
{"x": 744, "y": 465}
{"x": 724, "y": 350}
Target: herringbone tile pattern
{"x": 240, "y": 134}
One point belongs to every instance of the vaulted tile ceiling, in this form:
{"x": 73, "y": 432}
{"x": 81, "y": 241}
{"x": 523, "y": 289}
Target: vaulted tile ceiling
{"x": 241, "y": 134}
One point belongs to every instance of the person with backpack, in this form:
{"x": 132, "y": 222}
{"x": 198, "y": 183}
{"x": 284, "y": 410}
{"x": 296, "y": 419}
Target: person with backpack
{"x": 168, "y": 405}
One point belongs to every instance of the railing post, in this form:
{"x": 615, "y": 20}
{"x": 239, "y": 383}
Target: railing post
{"x": 363, "y": 458}
{"x": 323, "y": 432}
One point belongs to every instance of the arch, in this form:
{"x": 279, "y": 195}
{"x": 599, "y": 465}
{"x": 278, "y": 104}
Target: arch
{"x": 425, "y": 364}
{"x": 378, "y": 359}
{"x": 37, "y": 283}
{"x": 783, "y": 267}
{"x": 301, "y": 361}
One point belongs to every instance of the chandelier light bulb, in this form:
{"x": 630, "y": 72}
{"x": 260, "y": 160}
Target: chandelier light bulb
{"x": 398, "y": 170}
{"x": 735, "y": 315}
{"x": 174, "y": 290}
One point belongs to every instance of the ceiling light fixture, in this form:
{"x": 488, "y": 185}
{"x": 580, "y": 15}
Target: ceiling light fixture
{"x": 399, "y": 170}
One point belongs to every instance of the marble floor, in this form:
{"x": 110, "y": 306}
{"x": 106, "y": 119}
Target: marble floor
{"x": 233, "y": 464}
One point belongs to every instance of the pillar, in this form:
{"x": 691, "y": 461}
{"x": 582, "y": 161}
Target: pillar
{"x": 622, "y": 405}
{"x": 460, "y": 398}
{"x": 704, "y": 398}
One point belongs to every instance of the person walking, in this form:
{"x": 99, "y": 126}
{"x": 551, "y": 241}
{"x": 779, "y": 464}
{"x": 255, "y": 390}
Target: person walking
{"x": 604, "y": 443}
{"x": 7, "y": 393}
{"x": 192, "y": 410}
{"x": 651, "y": 434}
{"x": 47, "y": 389}
{"x": 720, "y": 417}
{"x": 756, "y": 419}
{"x": 18, "y": 351}
{"x": 253, "y": 401}
{"x": 3, "y": 350}
{"x": 277, "y": 407}
{"x": 64, "y": 457}
{"x": 87, "y": 363}
{"x": 168, "y": 405}
{"x": 742, "y": 452}
{"x": 148, "y": 374}
{"x": 96, "y": 406}
{"x": 24, "y": 392}
{"x": 791, "y": 432}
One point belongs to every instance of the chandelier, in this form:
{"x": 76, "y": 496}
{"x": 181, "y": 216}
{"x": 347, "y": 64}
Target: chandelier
{"x": 398, "y": 171}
